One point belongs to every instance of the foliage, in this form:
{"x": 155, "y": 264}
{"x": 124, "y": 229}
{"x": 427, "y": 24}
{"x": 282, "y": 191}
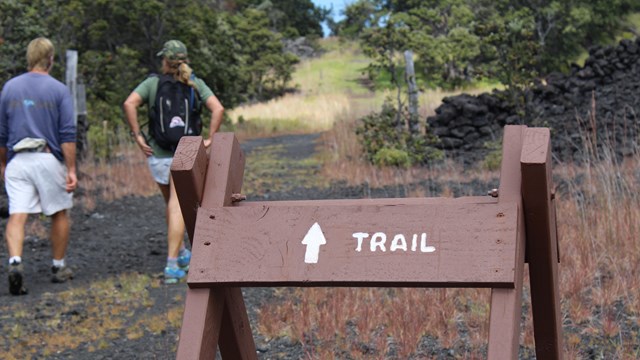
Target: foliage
{"x": 392, "y": 157}
{"x": 493, "y": 160}
{"x": 357, "y": 17}
{"x": 459, "y": 40}
{"x": 292, "y": 18}
{"x": 386, "y": 139}
{"x": 268, "y": 67}
{"x": 235, "y": 48}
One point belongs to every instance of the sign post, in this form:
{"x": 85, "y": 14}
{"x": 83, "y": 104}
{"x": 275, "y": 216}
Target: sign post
{"x": 406, "y": 242}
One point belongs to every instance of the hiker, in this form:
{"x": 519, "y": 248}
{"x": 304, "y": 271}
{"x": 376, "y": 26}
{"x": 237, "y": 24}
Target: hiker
{"x": 37, "y": 159}
{"x": 174, "y": 99}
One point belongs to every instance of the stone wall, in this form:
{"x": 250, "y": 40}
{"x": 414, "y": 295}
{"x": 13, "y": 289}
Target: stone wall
{"x": 599, "y": 103}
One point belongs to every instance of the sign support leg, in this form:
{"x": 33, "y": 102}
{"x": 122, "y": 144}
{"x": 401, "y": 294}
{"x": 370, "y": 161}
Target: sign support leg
{"x": 542, "y": 243}
{"x": 219, "y": 314}
{"x": 506, "y": 304}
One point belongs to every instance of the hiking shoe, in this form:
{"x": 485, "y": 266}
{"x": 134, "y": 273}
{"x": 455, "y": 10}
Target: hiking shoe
{"x": 60, "y": 274}
{"x": 16, "y": 276}
{"x": 184, "y": 259}
{"x": 173, "y": 275}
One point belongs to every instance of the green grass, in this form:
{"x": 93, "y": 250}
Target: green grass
{"x": 269, "y": 170}
{"x": 339, "y": 70}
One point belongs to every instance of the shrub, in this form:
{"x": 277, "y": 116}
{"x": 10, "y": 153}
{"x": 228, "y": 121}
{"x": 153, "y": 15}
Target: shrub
{"x": 493, "y": 160}
{"x": 392, "y": 157}
{"x": 386, "y": 139}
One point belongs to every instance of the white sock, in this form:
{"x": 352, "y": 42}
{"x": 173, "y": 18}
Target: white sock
{"x": 15, "y": 260}
{"x": 58, "y": 263}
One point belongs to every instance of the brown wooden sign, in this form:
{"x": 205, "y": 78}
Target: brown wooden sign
{"x": 356, "y": 245}
{"x": 425, "y": 242}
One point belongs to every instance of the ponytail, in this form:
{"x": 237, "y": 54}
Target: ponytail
{"x": 182, "y": 72}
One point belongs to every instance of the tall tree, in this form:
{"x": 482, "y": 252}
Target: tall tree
{"x": 291, "y": 18}
{"x": 457, "y": 39}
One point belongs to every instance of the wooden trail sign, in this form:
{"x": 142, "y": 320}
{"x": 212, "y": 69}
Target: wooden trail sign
{"x": 408, "y": 242}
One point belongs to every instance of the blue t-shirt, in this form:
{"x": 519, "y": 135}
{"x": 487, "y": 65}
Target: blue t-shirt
{"x": 38, "y": 106}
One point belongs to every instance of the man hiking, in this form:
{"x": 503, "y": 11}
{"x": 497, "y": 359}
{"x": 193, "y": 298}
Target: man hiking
{"x": 37, "y": 159}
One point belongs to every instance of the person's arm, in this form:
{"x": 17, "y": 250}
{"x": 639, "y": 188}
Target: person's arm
{"x": 69, "y": 153}
{"x": 3, "y": 161}
{"x": 217, "y": 111}
{"x": 3, "y": 135}
{"x": 130, "y": 107}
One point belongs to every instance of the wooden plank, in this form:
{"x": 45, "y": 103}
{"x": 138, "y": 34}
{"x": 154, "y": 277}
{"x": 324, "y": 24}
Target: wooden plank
{"x": 225, "y": 172}
{"x": 200, "y": 324}
{"x": 188, "y": 170}
{"x": 542, "y": 245}
{"x": 506, "y": 304}
{"x": 446, "y": 243}
{"x": 236, "y": 341}
{"x": 224, "y": 178}
{"x": 372, "y": 202}
{"x": 209, "y": 320}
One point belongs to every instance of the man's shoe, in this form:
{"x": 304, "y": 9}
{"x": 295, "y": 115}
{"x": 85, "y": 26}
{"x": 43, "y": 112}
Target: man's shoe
{"x": 16, "y": 277}
{"x": 60, "y": 274}
{"x": 184, "y": 259}
{"x": 173, "y": 275}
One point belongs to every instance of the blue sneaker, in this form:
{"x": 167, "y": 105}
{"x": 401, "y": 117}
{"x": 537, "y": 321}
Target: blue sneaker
{"x": 173, "y": 275}
{"x": 184, "y": 258}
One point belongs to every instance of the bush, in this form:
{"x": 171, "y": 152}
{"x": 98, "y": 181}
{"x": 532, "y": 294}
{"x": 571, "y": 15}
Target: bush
{"x": 392, "y": 157}
{"x": 493, "y": 160}
{"x": 386, "y": 139}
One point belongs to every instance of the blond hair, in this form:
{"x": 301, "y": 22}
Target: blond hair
{"x": 40, "y": 54}
{"x": 181, "y": 71}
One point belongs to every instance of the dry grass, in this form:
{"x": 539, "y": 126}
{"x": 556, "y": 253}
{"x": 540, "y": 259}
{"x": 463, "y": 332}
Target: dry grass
{"x": 125, "y": 174}
{"x": 599, "y": 229}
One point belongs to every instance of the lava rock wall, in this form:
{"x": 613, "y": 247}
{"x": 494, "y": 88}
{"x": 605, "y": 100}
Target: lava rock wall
{"x": 593, "y": 108}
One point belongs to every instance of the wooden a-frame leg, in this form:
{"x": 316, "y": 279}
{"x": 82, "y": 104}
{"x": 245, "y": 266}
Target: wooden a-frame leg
{"x": 506, "y": 304}
{"x": 213, "y": 316}
{"x": 542, "y": 243}
{"x": 201, "y": 324}
{"x": 236, "y": 341}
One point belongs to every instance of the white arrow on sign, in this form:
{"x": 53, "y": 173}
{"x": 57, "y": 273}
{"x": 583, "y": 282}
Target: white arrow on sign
{"x": 313, "y": 240}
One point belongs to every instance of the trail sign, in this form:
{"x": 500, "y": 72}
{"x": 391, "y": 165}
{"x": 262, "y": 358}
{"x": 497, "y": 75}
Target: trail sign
{"x": 359, "y": 244}
{"x": 417, "y": 242}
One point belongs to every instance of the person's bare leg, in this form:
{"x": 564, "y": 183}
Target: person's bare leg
{"x": 60, "y": 227}
{"x": 14, "y": 233}
{"x": 175, "y": 224}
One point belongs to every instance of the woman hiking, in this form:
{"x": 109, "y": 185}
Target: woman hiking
{"x": 174, "y": 99}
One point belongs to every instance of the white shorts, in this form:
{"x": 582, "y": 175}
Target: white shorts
{"x": 36, "y": 183}
{"x": 160, "y": 169}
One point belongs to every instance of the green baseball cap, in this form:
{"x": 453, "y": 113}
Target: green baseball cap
{"x": 174, "y": 50}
